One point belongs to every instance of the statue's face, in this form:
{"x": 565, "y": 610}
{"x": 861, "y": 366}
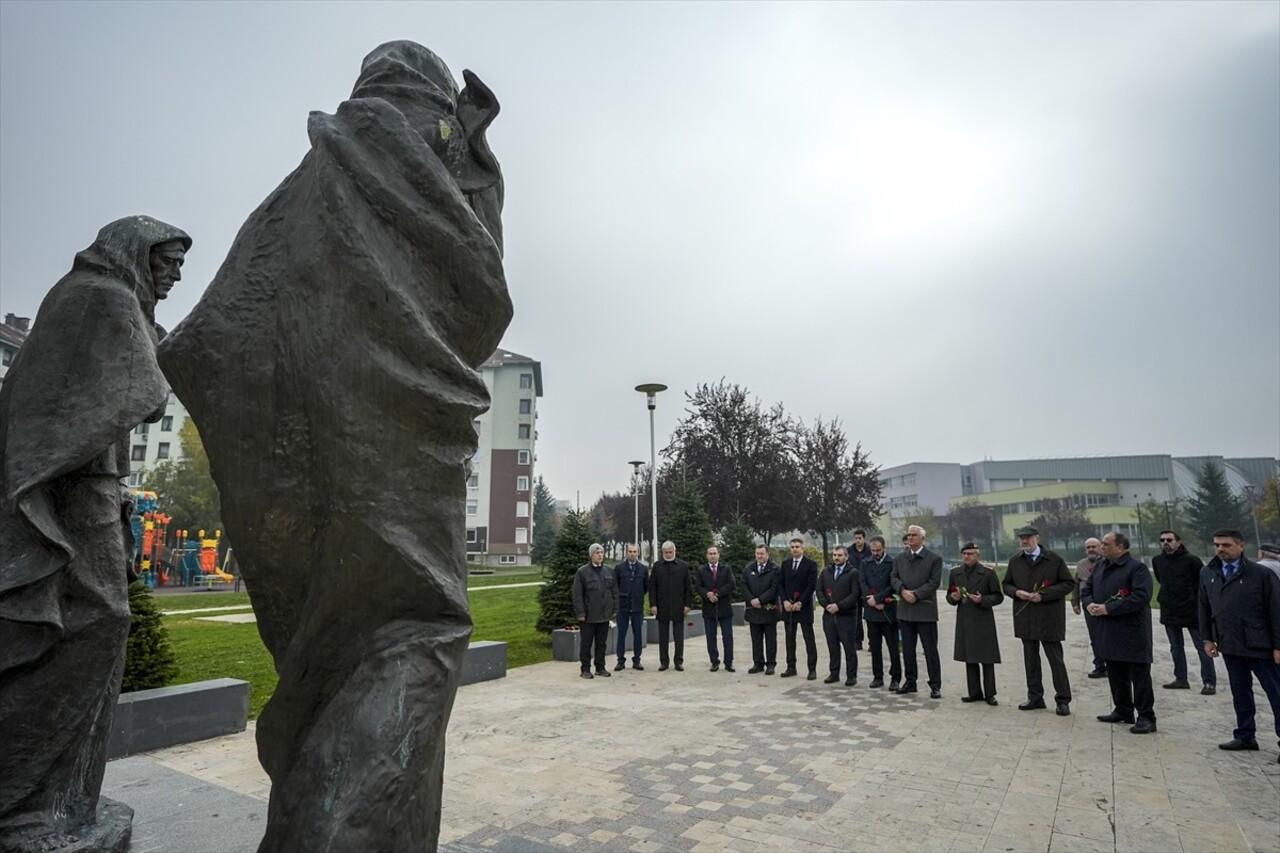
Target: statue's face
{"x": 166, "y": 267}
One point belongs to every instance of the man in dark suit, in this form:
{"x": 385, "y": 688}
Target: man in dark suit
{"x": 1118, "y": 593}
{"x": 858, "y": 552}
{"x": 838, "y": 595}
{"x": 917, "y": 574}
{"x": 633, "y": 582}
{"x": 1240, "y": 620}
{"x": 670, "y": 597}
{"x": 799, "y": 579}
{"x": 714, "y": 584}
{"x": 760, "y": 589}
{"x": 881, "y": 611}
{"x": 1038, "y": 583}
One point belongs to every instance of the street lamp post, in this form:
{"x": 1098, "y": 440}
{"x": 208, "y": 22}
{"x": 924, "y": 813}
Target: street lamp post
{"x": 1257, "y": 537}
{"x": 651, "y": 390}
{"x": 1142, "y": 539}
{"x": 635, "y": 491}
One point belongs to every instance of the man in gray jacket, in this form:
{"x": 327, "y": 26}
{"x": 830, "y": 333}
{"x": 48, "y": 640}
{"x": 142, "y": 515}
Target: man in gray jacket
{"x": 595, "y": 599}
{"x": 917, "y": 574}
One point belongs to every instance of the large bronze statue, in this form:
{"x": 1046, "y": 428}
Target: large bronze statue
{"x": 331, "y": 368}
{"x": 85, "y": 377}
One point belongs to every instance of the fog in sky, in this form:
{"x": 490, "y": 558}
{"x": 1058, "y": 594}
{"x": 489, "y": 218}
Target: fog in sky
{"x": 968, "y": 230}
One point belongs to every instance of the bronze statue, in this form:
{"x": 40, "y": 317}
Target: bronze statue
{"x": 331, "y": 367}
{"x": 85, "y": 377}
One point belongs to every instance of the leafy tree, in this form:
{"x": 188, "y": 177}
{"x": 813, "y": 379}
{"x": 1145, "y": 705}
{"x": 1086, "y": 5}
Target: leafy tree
{"x": 841, "y": 490}
{"x": 614, "y": 516}
{"x": 1062, "y": 522}
{"x": 1267, "y": 508}
{"x": 185, "y": 487}
{"x": 737, "y": 548}
{"x": 922, "y": 517}
{"x": 970, "y": 520}
{"x": 544, "y": 529}
{"x": 149, "y": 660}
{"x": 1213, "y": 506}
{"x": 555, "y": 598}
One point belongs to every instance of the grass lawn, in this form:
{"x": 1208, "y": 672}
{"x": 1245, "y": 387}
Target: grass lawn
{"x": 207, "y": 650}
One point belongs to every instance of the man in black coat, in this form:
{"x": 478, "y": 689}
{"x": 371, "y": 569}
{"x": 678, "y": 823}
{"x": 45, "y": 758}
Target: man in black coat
{"x": 838, "y": 595}
{"x": 881, "y": 612}
{"x": 633, "y": 582}
{"x": 1178, "y": 572}
{"x": 1240, "y": 620}
{"x": 1119, "y": 594}
{"x": 799, "y": 579}
{"x": 858, "y": 552}
{"x": 760, "y": 584}
{"x": 917, "y": 574}
{"x": 714, "y": 584}
{"x": 1038, "y": 582}
{"x": 670, "y": 597}
{"x": 595, "y": 600}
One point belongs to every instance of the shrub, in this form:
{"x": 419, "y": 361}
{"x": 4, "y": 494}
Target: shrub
{"x": 149, "y": 660}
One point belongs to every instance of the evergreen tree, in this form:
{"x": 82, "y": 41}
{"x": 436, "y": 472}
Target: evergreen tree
{"x": 149, "y": 660}
{"x": 544, "y": 530}
{"x": 686, "y": 525}
{"x": 555, "y": 598}
{"x": 1213, "y": 506}
{"x": 738, "y": 548}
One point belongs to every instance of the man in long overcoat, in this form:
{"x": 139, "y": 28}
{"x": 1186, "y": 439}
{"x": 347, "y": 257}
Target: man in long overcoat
{"x": 881, "y": 612}
{"x": 917, "y": 574}
{"x": 1178, "y": 571}
{"x": 670, "y": 597}
{"x": 838, "y": 596}
{"x": 714, "y": 583}
{"x": 1039, "y": 582}
{"x": 973, "y": 589}
{"x": 760, "y": 584}
{"x": 799, "y": 580}
{"x": 1119, "y": 594}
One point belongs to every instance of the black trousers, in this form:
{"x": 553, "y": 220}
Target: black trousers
{"x": 982, "y": 679}
{"x": 1035, "y": 678}
{"x": 927, "y": 634}
{"x": 858, "y": 634}
{"x": 592, "y": 635}
{"x": 1091, "y": 622}
{"x": 792, "y": 622}
{"x": 840, "y": 634}
{"x": 888, "y": 632}
{"x": 667, "y": 627}
{"x": 764, "y": 643}
{"x": 1131, "y": 688}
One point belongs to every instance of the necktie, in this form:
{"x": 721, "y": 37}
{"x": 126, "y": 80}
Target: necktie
{"x": 1229, "y": 570}
{"x": 713, "y": 574}
{"x": 838, "y": 570}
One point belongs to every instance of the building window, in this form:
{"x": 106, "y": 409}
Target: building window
{"x": 524, "y": 431}
{"x": 141, "y": 429}
{"x": 522, "y": 536}
{"x": 135, "y": 479}
{"x": 506, "y": 559}
{"x": 522, "y": 483}
{"x": 162, "y": 452}
{"x": 526, "y": 380}
{"x": 473, "y": 482}
{"x": 471, "y": 535}
{"x": 522, "y": 457}
{"x": 166, "y": 423}
{"x": 139, "y": 453}
{"x": 526, "y": 406}
{"x": 522, "y": 509}
{"x": 473, "y": 507}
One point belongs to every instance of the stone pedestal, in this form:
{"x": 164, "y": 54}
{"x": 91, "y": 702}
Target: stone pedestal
{"x": 739, "y": 613}
{"x": 566, "y": 645}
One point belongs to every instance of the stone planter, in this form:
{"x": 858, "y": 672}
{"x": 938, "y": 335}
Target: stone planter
{"x": 566, "y": 645}
{"x": 693, "y": 627}
{"x": 739, "y": 613}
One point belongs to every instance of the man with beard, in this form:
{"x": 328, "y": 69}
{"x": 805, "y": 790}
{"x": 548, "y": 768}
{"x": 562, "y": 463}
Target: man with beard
{"x": 799, "y": 579}
{"x": 858, "y": 552}
{"x": 1039, "y": 581}
{"x": 1119, "y": 594}
{"x": 973, "y": 589}
{"x": 1084, "y": 568}
{"x": 838, "y": 596}
{"x": 1178, "y": 572}
{"x": 760, "y": 589}
{"x": 670, "y": 597}
{"x": 881, "y": 612}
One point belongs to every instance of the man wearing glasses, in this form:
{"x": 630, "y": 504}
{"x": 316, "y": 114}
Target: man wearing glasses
{"x": 1178, "y": 572}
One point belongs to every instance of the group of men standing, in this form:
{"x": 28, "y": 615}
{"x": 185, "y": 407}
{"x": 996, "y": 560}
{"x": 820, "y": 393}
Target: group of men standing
{"x": 1231, "y": 608}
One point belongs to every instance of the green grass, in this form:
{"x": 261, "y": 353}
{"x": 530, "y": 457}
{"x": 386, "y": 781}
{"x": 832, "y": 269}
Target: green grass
{"x": 526, "y": 574}
{"x": 207, "y": 650}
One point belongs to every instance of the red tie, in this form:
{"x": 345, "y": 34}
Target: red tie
{"x": 713, "y": 574}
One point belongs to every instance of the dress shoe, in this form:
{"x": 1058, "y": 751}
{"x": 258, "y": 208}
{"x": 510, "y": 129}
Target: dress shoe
{"x": 586, "y": 673}
{"x": 664, "y": 667}
{"x": 935, "y": 694}
{"x": 1113, "y": 717}
{"x": 850, "y": 682}
{"x": 637, "y": 667}
{"x": 1144, "y": 726}
{"x": 679, "y": 667}
{"x": 728, "y": 667}
{"x": 991, "y": 700}
{"x": 972, "y": 698}
{"x": 619, "y": 666}
{"x": 1032, "y": 705}
{"x": 893, "y": 687}
{"x": 1208, "y": 690}
{"x": 905, "y": 689}
{"x": 1098, "y": 673}
{"x": 1176, "y": 685}
{"x": 876, "y": 683}
{"x": 715, "y": 667}
{"x": 1235, "y": 745}
{"x": 1063, "y": 710}
{"x": 754, "y": 670}
{"x": 831, "y": 679}
{"x": 813, "y": 676}
{"x": 788, "y": 673}
{"x": 768, "y": 670}
{"x": 604, "y": 673}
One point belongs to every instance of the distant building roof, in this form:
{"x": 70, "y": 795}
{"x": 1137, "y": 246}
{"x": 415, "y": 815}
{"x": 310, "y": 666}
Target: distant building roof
{"x": 503, "y": 358}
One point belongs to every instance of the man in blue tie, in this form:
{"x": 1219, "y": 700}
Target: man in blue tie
{"x": 1240, "y": 620}
{"x": 633, "y": 582}
{"x": 838, "y": 596}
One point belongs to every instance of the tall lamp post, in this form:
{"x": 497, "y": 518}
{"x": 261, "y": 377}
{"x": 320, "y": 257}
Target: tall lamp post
{"x": 1257, "y": 537}
{"x": 651, "y": 390}
{"x": 1141, "y": 537}
{"x": 635, "y": 491}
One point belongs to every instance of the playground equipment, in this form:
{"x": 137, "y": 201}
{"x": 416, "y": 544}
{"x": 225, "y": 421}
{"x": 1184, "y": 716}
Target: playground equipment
{"x": 200, "y": 559}
{"x": 150, "y": 530}
{"x": 192, "y": 561}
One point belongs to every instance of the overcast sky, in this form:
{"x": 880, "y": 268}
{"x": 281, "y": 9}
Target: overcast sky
{"x": 968, "y": 230}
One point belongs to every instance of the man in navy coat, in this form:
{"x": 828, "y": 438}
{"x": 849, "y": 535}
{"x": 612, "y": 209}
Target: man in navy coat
{"x": 1118, "y": 593}
{"x": 799, "y": 580}
{"x": 1240, "y": 620}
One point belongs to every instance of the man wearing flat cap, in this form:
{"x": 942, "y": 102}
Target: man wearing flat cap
{"x": 1269, "y": 556}
{"x": 1038, "y": 583}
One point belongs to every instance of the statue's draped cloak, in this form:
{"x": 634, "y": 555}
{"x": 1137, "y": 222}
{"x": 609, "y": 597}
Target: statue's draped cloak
{"x": 85, "y": 376}
{"x": 331, "y": 368}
